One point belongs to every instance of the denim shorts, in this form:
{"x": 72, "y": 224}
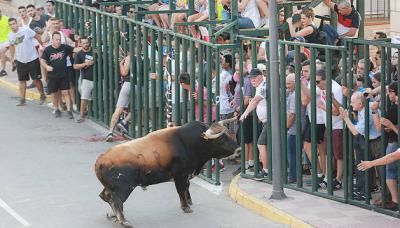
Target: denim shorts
{"x": 391, "y": 169}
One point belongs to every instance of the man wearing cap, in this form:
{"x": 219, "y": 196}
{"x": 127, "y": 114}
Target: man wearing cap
{"x": 259, "y": 102}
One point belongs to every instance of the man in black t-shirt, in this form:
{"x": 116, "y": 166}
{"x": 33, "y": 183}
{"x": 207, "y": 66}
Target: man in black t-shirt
{"x": 84, "y": 62}
{"x": 38, "y": 23}
{"x": 54, "y": 60}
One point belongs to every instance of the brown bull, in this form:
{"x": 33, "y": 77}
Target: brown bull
{"x": 176, "y": 153}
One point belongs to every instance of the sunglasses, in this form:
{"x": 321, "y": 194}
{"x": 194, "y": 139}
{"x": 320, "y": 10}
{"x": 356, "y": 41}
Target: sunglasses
{"x": 317, "y": 81}
{"x": 131, "y": 11}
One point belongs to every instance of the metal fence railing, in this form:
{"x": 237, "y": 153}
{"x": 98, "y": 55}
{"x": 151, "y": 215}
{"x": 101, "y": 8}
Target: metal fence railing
{"x": 161, "y": 53}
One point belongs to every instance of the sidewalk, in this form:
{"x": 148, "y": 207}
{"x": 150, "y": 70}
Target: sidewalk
{"x": 302, "y": 209}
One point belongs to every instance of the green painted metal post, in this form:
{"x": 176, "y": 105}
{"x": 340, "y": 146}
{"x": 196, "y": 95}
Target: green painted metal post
{"x": 345, "y": 136}
{"x": 192, "y": 114}
{"x": 146, "y": 80}
{"x": 200, "y": 96}
{"x": 184, "y": 92}
{"x": 110, "y": 67}
{"x": 160, "y": 81}
{"x": 94, "y": 41}
{"x": 132, "y": 78}
{"x": 137, "y": 90}
{"x": 177, "y": 58}
{"x": 314, "y": 156}
{"x": 299, "y": 137}
{"x": 328, "y": 131}
{"x": 105, "y": 69}
{"x": 283, "y": 107}
{"x": 350, "y": 155}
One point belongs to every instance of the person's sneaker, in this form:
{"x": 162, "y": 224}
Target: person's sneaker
{"x": 321, "y": 182}
{"x": 359, "y": 196}
{"x": 375, "y": 189}
{"x": 261, "y": 175}
{"x": 337, "y": 185}
{"x": 109, "y": 137}
{"x": 57, "y": 113}
{"x": 32, "y": 85}
{"x": 250, "y": 168}
{"x": 70, "y": 115}
{"x": 123, "y": 127}
{"x": 80, "y": 120}
{"x": 42, "y": 99}
{"x": 21, "y": 102}
{"x": 3, "y": 73}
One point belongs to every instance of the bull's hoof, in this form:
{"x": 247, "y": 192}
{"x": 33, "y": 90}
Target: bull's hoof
{"x": 111, "y": 216}
{"x": 187, "y": 210}
{"x": 126, "y": 224}
{"x": 144, "y": 188}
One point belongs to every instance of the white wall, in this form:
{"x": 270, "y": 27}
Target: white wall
{"x": 394, "y": 17}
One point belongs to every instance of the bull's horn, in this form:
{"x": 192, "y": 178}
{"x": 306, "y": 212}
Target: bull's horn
{"x": 209, "y": 134}
{"x": 223, "y": 122}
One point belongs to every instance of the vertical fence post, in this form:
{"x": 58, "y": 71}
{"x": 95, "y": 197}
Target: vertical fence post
{"x": 328, "y": 131}
{"x": 299, "y": 143}
{"x": 314, "y": 156}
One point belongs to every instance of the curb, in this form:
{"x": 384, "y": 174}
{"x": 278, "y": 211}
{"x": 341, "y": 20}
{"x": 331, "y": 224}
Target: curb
{"x": 262, "y": 208}
{"x": 28, "y": 95}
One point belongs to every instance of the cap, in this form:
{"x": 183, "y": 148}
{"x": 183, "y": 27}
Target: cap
{"x": 254, "y": 72}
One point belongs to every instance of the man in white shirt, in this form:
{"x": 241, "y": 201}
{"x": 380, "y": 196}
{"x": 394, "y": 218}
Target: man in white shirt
{"x": 259, "y": 102}
{"x": 23, "y": 51}
{"x": 320, "y": 122}
{"x": 337, "y": 123}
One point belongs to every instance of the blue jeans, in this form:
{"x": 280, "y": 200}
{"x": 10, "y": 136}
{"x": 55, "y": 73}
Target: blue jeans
{"x": 291, "y": 155}
{"x": 245, "y": 22}
{"x": 391, "y": 169}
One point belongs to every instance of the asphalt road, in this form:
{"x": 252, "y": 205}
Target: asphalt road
{"x": 47, "y": 179}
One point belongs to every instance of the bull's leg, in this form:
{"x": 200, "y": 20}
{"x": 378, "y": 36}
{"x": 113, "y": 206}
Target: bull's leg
{"x": 117, "y": 207}
{"x": 181, "y": 188}
{"x": 187, "y": 194}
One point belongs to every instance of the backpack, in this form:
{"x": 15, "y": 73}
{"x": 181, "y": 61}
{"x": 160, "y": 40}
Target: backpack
{"x": 322, "y": 37}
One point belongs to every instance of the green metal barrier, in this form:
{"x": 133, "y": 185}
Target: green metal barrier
{"x": 153, "y": 48}
{"x": 152, "y": 65}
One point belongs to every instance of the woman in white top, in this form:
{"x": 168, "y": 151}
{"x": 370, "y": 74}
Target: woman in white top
{"x": 249, "y": 14}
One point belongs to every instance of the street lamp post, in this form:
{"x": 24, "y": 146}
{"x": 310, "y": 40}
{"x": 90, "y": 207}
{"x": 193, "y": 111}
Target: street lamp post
{"x": 277, "y": 191}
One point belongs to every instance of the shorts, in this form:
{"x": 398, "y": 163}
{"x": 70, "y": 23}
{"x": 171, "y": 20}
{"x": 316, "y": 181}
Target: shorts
{"x": 337, "y": 143}
{"x": 124, "y": 97}
{"x": 87, "y": 87}
{"x": 391, "y": 168}
{"x": 247, "y": 130}
{"x": 262, "y": 139}
{"x": 29, "y": 70}
{"x": 56, "y": 84}
{"x": 319, "y": 134}
{"x": 71, "y": 75}
{"x": 231, "y": 126}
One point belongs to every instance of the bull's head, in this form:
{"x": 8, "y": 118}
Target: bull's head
{"x": 220, "y": 140}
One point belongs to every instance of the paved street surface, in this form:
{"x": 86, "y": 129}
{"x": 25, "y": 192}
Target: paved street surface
{"x": 47, "y": 179}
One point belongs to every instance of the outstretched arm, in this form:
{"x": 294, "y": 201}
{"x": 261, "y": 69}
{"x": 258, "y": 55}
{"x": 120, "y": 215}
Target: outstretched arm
{"x": 392, "y": 157}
